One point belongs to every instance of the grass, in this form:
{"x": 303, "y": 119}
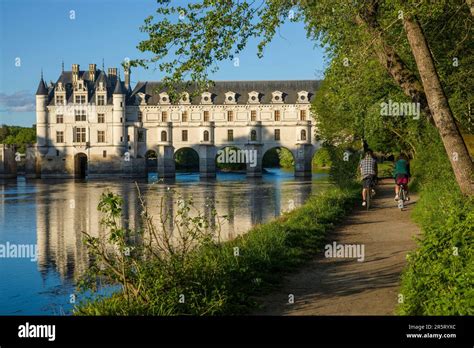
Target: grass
{"x": 215, "y": 280}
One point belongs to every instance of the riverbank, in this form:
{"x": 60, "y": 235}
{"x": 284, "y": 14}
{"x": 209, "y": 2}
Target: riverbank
{"x": 224, "y": 278}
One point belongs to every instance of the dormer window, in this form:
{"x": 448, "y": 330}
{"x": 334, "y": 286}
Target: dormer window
{"x": 277, "y": 97}
{"x": 59, "y": 100}
{"x": 141, "y": 98}
{"x": 60, "y": 94}
{"x": 206, "y": 98}
{"x": 230, "y": 98}
{"x": 101, "y": 87}
{"x": 101, "y": 100}
{"x": 164, "y": 98}
{"x": 303, "y": 97}
{"x": 184, "y": 98}
{"x": 254, "y": 97}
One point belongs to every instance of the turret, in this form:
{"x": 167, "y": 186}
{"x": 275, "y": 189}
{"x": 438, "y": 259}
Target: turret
{"x": 118, "y": 115}
{"x": 41, "y": 113}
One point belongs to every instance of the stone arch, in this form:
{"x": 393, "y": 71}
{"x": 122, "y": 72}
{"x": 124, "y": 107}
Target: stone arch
{"x": 80, "y": 165}
{"x": 186, "y": 158}
{"x": 151, "y": 159}
{"x": 271, "y": 151}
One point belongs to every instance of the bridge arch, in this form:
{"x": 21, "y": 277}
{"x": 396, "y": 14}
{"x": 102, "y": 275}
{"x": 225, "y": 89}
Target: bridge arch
{"x": 186, "y": 159}
{"x": 278, "y": 156}
{"x": 151, "y": 159}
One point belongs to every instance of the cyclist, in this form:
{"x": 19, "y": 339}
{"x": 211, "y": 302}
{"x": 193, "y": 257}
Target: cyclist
{"x": 368, "y": 170}
{"x": 401, "y": 174}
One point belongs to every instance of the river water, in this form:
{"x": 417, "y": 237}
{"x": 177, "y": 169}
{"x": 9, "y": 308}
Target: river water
{"x": 47, "y": 217}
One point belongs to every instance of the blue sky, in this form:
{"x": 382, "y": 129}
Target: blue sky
{"x": 42, "y": 34}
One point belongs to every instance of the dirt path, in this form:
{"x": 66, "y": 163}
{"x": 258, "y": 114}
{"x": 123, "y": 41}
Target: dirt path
{"x": 343, "y": 286}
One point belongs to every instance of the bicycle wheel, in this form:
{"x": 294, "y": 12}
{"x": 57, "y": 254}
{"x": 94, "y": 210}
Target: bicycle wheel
{"x": 367, "y": 198}
{"x": 401, "y": 200}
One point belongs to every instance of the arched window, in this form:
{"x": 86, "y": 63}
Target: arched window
{"x": 253, "y": 135}
{"x": 303, "y": 134}
{"x": 164, "y": 136}
{"x": 206, "y": 135}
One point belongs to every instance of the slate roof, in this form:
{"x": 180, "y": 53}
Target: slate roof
{"x": 152, "y": 89}
{"x": 289, "y": 88}
{"x": 42, "y": 89}
{"x": 66, "y": 79}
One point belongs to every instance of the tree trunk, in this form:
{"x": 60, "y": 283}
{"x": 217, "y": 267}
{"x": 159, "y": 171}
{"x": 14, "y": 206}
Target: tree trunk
{"x": 440, "y": 110}
{"x": 393, "y": 63}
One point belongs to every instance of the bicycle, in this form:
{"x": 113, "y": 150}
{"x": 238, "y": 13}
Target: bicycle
{"x": 402, "y": 196}
{"x": 370, "y": 193}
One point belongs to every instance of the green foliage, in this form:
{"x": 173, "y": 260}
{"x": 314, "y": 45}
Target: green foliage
{"x": 20, "y": 136}
{"x": 286, "y": 158}
{"x": 212, "y": 278}
{"x": 439, "y": 279}
{"x": 322, "y": 158}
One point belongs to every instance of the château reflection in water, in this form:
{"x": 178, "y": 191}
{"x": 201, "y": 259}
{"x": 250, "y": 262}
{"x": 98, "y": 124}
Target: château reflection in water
{"x": 59, "y": 211}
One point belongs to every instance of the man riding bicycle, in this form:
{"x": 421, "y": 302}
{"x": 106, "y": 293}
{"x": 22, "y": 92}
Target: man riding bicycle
{"x": 368, "y": 170}
{"x": 401, "y": 174}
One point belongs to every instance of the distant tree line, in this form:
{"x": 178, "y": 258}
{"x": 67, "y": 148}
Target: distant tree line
{"x": 19, "y": 136}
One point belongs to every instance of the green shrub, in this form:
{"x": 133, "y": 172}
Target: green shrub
{"x": 439, "y": 278}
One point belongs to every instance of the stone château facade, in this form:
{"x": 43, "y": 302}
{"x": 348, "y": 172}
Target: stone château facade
{"x": 91, "y": 123}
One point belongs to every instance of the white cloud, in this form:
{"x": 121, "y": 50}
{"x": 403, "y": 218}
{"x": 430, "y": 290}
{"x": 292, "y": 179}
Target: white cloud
{"x": 21, "y": 101}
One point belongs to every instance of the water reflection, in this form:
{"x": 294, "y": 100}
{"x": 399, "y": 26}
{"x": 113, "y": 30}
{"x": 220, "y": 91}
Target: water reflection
{"x": 54, "y": 214}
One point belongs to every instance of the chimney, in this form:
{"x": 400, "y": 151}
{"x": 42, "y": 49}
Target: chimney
{"x": 127, "y": 77}
{"x": 75, "y": 72}
{"x": 92, "y": 72}
{"x": 112, "y": 72}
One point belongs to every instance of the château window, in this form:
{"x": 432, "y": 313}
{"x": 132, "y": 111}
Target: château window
{"x": 302, "y": 115}
{"x": 104, "y": 154}
{"x": 59, "y": 100}
{"x": 101, "y": 118}
{"x": 277, "y": 134}
{"x": 79, "y": 135}
{"x": 141, "y": 136}
{"x": 253, "y": 135}
{"x": 80, "y": 115}
{"x": 80, "y": 99}
{"x": 59, "y": 118}
{"x": 184, "y": 135}
{"x": 60, "y": 137}
{"x": 303, "y": 134}
{"x": 253, "y": 115}
{"x": 101, "y": 100}
{"x": 164, "y": 116}
{"x": 101, "y": 136}
{"x": 206, "y": 116}
{"x": 230, "y": 135}
{"x": 184, "y": 116}
{"x": 277, "y": 115}
{"x": 230, "y": 116}
{"x": 164, "y": 136}
{"x": 206, "y": 136}
{"x": 140, "y": 116}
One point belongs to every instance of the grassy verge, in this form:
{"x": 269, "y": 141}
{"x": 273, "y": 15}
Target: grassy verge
{"x": 439, "y": 278}
{"x": 222, "y": 278}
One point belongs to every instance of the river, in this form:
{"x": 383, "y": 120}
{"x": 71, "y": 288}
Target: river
{"x": 46, "y": 218}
